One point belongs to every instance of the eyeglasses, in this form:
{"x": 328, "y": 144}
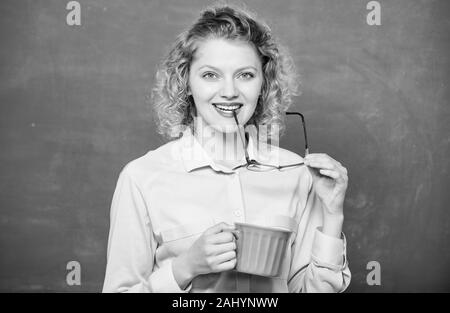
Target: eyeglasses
{"x": 255, "y": 166}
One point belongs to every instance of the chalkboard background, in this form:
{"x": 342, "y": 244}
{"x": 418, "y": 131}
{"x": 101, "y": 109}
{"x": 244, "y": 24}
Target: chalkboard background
{"x": 73, "y": 112}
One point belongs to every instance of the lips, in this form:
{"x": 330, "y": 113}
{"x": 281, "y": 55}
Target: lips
{"x": 227, "y": 107}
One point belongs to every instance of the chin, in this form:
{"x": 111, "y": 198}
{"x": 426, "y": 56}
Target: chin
{"x": 226, "y": 128}
{"x": 211, "y": 123}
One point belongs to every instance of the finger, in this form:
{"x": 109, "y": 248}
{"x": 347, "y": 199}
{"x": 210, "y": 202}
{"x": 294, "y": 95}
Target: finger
{"x": 224, "y": 247}
{"x": 236, "y": 233}
{"x": 329, "y": 173}
{"x": 313, "y": 171}
{"x": 322, "y": 157}
{"x": 219, "y": 227}
{"x": 226, "y": 266}
{"x": 335, "y": 175}
{"x": 326, "y": 163}
{"x": 222, "y": 237}
{"x": 225, "y": 257}
{"x": 320, "y": 164}
{"x": 316, "y": 156}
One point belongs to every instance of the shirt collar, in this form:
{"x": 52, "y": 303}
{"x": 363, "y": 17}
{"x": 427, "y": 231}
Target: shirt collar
{"x": 194, "y": 155}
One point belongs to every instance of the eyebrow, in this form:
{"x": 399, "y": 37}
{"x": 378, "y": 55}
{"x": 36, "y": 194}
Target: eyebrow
{"x": 218, "y": 70}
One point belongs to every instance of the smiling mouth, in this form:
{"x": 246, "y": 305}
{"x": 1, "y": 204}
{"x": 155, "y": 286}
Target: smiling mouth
{"x": 228, "y": 107}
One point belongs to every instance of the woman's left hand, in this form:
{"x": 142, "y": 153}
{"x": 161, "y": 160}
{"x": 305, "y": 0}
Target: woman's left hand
{"x": 330, "y": 181}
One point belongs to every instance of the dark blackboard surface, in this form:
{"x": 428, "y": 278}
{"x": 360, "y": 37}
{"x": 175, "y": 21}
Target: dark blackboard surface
{"x": 73, "y": 111}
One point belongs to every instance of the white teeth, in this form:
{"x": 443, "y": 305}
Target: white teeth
{"x": 227, "y": 108}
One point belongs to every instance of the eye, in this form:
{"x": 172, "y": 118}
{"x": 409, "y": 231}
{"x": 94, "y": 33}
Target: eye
{"x": 209, "y": 75}
{"x": 247, "y": 75}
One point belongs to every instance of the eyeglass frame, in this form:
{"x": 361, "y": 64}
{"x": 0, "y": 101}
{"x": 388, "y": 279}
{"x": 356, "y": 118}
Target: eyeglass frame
{"x": 252, "y": 162}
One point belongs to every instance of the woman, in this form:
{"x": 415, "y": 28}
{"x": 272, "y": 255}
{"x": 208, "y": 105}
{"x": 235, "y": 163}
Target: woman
{"x": 174, "y": 209}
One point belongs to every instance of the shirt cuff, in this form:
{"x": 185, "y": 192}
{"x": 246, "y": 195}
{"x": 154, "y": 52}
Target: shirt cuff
{"x": 164, "y": 281}
{"x": 328, "y": 251}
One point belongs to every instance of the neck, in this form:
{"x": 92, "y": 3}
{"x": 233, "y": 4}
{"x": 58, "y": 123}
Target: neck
{"x": 223, "y": 148}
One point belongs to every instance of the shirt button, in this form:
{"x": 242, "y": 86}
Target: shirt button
{"x": 238, "y": 213}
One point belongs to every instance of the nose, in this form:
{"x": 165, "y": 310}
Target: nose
{"x": 228, "y": 90}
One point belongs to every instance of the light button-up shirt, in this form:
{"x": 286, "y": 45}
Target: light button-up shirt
{"x": 166, "y": 199}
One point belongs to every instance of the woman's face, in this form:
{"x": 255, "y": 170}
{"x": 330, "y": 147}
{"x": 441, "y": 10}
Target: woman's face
{"x": 225, "y": 75}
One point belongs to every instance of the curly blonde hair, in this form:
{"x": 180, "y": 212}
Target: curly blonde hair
{"x": 174, "y": 108}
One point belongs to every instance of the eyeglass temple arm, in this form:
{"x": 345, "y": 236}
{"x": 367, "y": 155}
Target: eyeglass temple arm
{"x": 304, "y": 129}
{"x": 247, "y": 158}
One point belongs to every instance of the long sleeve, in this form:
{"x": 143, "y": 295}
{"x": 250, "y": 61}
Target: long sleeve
{"x": 319, "y": 262}
{"x": 131, "y": 244}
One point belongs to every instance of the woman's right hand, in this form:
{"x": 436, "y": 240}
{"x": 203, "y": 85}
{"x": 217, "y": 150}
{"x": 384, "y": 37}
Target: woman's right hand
{"x": 214, "y": 251}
